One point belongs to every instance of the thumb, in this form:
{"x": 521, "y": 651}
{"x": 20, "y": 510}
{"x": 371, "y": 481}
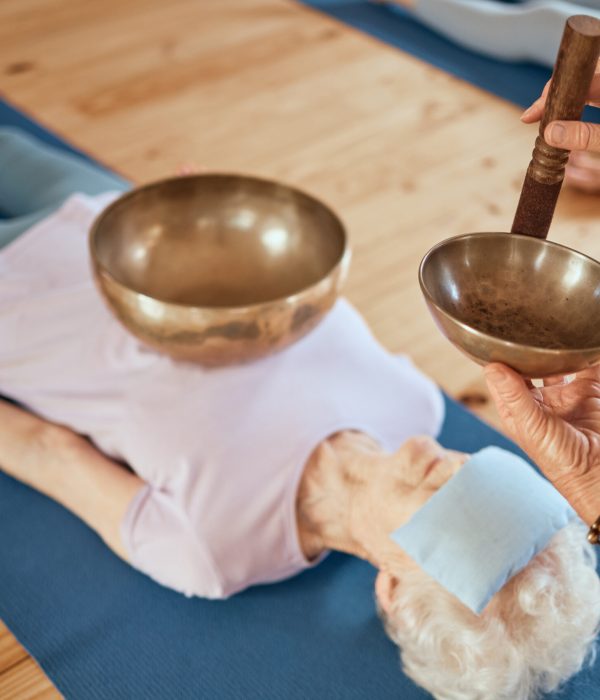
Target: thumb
{"x": 573, "y": 136}
{"x": 516, "y": 406}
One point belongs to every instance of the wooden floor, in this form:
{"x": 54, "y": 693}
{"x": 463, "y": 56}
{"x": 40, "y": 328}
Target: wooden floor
{"x": 406, "y": 154}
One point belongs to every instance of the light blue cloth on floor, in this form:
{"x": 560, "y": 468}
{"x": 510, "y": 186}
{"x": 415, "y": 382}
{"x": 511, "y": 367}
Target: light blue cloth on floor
{"x": 484, "y": 525}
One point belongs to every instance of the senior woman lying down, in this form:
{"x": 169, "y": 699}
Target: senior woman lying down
{"x": 210, "y": 481}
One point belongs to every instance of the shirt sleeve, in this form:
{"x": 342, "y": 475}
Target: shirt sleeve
{"x": 529, "y": 31}
{"x": 162, "y": 543}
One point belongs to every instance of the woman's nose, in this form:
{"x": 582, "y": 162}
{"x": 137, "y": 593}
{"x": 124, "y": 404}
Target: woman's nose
{"x": 420, "y": 454}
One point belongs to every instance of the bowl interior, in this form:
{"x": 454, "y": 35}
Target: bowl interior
{"x": 218, "y": 240}
{"x": 517, "y": 288}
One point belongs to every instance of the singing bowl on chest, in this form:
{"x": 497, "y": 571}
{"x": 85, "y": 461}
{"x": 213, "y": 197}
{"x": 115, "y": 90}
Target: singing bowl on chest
{"x": 218, "y": 269}
{"x": 527, "y": 302}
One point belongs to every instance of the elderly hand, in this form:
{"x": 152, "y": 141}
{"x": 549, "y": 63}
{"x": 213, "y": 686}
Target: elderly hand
{"x": 558, "y": 426}
{"x": 583, "y": 169}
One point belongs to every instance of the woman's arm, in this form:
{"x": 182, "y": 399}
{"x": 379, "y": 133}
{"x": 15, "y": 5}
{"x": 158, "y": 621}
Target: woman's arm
{"x": 66, "y": 467}
{"x": 526, "y": 31}
{"x": 69, "y": 469}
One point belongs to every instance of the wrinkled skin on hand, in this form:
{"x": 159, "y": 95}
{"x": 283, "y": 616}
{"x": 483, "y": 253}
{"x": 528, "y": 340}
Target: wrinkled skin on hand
{"x": 558, "y": 426}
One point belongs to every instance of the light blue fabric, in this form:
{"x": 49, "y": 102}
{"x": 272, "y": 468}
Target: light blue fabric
{"x": 35, "y": 179}
{"x": 484, "y": 525}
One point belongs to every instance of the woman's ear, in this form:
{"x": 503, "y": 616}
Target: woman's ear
{"x": 385, "y": 584}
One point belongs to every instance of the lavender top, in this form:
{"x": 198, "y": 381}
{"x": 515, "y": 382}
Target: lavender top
{"x": 221, "y": 450}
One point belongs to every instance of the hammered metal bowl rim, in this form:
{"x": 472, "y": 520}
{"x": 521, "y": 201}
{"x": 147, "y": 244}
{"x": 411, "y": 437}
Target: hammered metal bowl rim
{"x": 342, "y": 261}
{"x": 487, "y": 336}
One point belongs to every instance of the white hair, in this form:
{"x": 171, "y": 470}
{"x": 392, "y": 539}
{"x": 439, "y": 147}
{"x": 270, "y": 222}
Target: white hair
{"x": 535, "y": 633}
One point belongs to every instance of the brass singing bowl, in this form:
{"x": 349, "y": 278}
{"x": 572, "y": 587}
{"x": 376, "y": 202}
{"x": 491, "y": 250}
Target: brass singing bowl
{"x": 526, "y": 302}
{"x": 218, "y": 269}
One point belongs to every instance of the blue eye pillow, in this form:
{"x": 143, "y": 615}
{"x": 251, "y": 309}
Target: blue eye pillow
{"x": 484, "y": 525}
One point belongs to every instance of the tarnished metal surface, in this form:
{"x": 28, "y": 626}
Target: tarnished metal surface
{"x": 527, "y": 302}
{"x": 219, "y": 269}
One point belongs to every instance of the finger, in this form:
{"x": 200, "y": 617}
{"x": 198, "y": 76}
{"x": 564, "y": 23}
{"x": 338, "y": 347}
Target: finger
{"x": 594, "y": 91}
{"x": 515, "y": 398}
{"x": 585, "y": 159}
{"x": 592, "y": 373}
{"x": 546, "y": 90}
{"x": 535, "y": 111}
{"x": 573, "y": 136}
{"x": 554, "y": 381}
{"x": 583, "y": 179}
{"x": 503, "y": 411}
{"x": 534, "y": 388}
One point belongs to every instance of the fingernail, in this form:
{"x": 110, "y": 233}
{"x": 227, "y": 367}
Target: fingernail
{"x": 556, "y": 133}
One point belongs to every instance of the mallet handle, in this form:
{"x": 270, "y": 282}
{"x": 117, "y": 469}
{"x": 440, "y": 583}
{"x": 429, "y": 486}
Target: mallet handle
{"x": 573, "y": 73}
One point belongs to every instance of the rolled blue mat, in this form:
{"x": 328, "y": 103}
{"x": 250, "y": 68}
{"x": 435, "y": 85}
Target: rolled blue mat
{"x": 11, "y": 116}
{"x": 37, "y": 174}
